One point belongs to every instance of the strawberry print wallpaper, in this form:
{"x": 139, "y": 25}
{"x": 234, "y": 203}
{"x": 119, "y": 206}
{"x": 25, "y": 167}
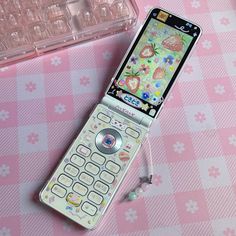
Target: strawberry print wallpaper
{"x": 154, "y": 61}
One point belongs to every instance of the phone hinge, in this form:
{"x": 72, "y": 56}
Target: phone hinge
{"x": 127, "y": 111}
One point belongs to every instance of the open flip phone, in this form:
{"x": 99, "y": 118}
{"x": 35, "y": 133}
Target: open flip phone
{"x": 90, "y": 173}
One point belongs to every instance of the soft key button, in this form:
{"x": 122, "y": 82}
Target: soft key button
{"x": 95, "y": 198}
{"x": 74, "y": 199}
{"x": 104, "y": 118}
{"x": 101, "y": 187}
{"x": 80, "y": 189}
{"x": 58, "y": 190}
{"x": 106, "y": 176}
{"x": 97, "y": 158}
{"x": 131, "y": 132}
{"x": 93, "y": 169}
{"x": 65, "y": 180}
{"x": 71, "y": 170}
{"x": 89, "y": 208}
{"x": 84, "y": 151}
{"x": 85, "y": 178}
{"x": 113, "y": 167}
{"x": 77, "y": 160}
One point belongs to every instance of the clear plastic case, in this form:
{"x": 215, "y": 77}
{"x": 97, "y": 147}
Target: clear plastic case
{"x": 29, "y": 28}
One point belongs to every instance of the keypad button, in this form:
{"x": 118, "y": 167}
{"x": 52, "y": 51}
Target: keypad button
{"x": 106, "y": 176}
{"x": 74, "y": 199}
{"x": 101, "y": 187}
{"x": 85, "y": 178}
{"x": 95, "y": 198}
{"x": 131, "y": 132}
{"x": 84, "y": 151}
{"x": 58, "y": 190}
{"x": 113, "y": 167}
{"x": 93, "y": 169}
{"x": 80, "y": 189}
{"x": 97, "y": 158}
{"x": 71, "y": 170}
{"x": 65, "y": 180}
{"x": 104, "y": 118}
{"x": 89, "y": 208}
{"x": 77, "y": 160}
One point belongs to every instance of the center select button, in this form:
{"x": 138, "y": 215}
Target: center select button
{"x": 108, "y": 141}
{"x": 104, "y": 118}
{"x": 131, "y": 132}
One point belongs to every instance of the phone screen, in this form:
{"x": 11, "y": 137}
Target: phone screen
{"x": 154, "y": 61}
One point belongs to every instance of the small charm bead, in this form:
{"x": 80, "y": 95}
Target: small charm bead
{"x": 132, "y": 196}
{"x": 139, "y": 191}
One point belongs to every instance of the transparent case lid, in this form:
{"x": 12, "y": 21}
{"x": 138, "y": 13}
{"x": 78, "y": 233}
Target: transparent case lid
{"x": 29, "y": 28}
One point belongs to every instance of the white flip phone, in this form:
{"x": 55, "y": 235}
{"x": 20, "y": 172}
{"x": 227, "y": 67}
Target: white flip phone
{"x": 91, "y": 171}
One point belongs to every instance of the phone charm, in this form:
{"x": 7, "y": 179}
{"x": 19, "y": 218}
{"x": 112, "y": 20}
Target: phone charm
{"x": 145, "y": 182}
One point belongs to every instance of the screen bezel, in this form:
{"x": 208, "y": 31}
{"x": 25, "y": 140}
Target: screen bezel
{"x": 183, "y": 25}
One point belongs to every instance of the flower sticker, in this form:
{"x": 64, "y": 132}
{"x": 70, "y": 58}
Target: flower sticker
{"x": 144, "y": 69}
{"x": 168, "y": 60}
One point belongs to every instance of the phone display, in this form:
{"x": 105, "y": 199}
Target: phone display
{"x": 154, "y": 62}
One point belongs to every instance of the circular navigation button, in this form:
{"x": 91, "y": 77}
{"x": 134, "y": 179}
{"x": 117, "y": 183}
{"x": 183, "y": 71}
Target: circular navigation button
{"x": 108, "y": 141}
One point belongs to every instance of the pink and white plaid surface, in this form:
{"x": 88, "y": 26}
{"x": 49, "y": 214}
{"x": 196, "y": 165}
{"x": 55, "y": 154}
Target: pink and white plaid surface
{"x": 45, "y": 101}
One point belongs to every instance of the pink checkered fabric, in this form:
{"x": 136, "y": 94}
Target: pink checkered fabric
{"x": 45, "y": 101}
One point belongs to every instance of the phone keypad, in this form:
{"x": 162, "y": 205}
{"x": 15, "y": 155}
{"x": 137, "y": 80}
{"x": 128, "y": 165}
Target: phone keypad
{"x": 88, "y": 176}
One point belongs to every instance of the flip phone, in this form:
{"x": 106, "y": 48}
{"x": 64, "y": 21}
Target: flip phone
{"x": 91, "y": 171}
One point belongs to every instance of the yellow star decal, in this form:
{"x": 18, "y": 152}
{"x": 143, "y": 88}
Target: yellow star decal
{"x": 145, "y": 107}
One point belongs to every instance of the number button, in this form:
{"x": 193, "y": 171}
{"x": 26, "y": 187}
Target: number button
{"x": 131, "y": 132}
{"x": 74, "y": 199}
{"x": 95, "y": 198}
{"x": 113, "y": 167}
{"x": 106, "y": 176}
{"x": 99, "y": 159}
{"x": 65, "y": 180}
{"x": 71, "y": 170}
{"x": 77, "y": 160}
{"x": 84, "y": 151}
{"x": 89, "y": 208}
{"x": 58, "y": 190}
{"x": 80, "y": 189}
{"x": 90, "y": 167}
{"x": 104, "y": 118}
{"x": 101, "y": 187}
{"x": 85, "y": 178}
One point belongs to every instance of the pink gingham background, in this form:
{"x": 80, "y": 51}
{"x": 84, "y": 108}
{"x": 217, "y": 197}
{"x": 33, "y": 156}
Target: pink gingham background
{"x": 45, "y": 101}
